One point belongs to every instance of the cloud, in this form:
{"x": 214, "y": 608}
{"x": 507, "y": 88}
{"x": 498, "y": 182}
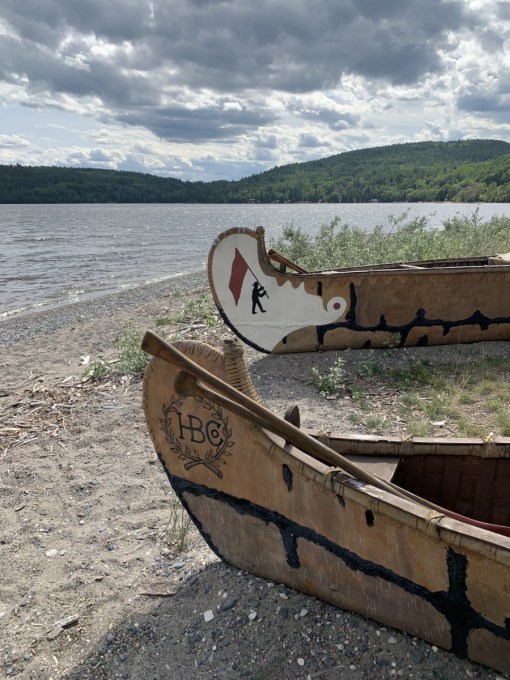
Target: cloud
{"x": 13, "y": 142}
{"x": 309, "y": 141}
{"x": 183, "y": 124}
{"x": 289, "y": 45}
{"x": 218, "y": 77}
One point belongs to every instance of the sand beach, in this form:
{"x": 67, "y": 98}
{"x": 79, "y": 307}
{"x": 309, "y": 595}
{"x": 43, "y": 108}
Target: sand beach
{"x": 94, "y": 584}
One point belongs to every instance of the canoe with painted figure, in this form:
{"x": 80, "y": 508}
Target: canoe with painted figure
{"x": 277, "y": 307}
{"x": 413, "y": 533}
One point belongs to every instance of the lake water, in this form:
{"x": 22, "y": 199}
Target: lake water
{"x": 57, "y": 254}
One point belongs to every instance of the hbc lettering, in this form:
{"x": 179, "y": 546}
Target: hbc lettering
{"x": 198, "y": 432}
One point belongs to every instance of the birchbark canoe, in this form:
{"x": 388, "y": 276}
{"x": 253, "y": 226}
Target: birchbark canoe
{"x": 413, "y": 533}
{"x": 278, "y": 310}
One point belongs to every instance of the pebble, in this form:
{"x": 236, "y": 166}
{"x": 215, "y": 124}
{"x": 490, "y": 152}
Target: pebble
{"x": 392, "y": 640}
{"x": 208, "y": 615}
{"x": 51, "y": 553}
{"x": 301, "y": 662}
{"x": 230, "y": 604}
{"x": 416, "y": 655}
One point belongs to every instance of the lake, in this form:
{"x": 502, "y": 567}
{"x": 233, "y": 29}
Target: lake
{"x": 58, "y": 254}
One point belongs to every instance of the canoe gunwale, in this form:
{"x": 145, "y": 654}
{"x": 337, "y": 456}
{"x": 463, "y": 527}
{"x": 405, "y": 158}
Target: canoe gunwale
{"x": 423, "y": 267}
{"x": 451, "y": 531}
{"x": 362, "y": 444}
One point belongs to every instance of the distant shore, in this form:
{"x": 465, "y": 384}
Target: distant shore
{"x": 16, "y": 329}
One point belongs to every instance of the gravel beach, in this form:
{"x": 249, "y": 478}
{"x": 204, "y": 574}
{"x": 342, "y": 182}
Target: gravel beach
{"x": 94, "y": 582}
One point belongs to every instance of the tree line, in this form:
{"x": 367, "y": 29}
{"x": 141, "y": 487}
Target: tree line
{"x": 464, "y": 171}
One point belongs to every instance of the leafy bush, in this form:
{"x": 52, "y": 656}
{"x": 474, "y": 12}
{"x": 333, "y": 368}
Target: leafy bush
{"x": 132, "y": 358}
{"x": 332, "y": 381}
{"x": 340, "y": 245}
{"x": 96, "y": 370}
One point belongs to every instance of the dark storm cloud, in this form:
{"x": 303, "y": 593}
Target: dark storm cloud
{"x": 326, "y": 115}
{"x": 181, "y": 124}
{"x": 47, "y": 72}
{"x": 491, "y": 100}
{"x": 231, "y": 47}
{"x": 291, "y": 45}
{"x": 297, "y": 46}
{"x": 492, "y": 104}
{"x": 47, "y": 21}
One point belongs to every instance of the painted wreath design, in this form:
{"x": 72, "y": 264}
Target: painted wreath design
{"x": 214, "y": 457}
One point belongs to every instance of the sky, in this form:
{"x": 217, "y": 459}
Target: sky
{"x": 223, "y": 89}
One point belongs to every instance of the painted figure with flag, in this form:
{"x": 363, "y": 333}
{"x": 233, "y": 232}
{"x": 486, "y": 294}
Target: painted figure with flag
{"x": 263, "y": 306}
{"x": 257, "y": 292}
{"x": 239, "y": 270}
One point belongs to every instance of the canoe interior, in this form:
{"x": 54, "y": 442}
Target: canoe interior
{"x": 454, "y": 263}
{"x": 468, "y": 485}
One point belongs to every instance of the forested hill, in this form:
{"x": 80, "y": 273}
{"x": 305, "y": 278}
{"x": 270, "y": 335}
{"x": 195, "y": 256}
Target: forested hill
{"x": 469, "y": 171}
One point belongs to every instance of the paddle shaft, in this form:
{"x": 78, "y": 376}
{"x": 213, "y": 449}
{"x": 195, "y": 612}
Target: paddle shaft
{"x": 273, "y": 255}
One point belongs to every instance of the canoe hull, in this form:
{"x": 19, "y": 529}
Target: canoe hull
{"x": 272, "y": 510}
{"x": 377, "y": 307}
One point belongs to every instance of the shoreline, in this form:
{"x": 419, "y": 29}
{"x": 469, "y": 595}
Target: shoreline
{"x": 95, "y": 585}
{"x": 17, "y": 329}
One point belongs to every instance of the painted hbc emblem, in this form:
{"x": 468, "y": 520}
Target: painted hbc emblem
{"x": 199, "y": 438}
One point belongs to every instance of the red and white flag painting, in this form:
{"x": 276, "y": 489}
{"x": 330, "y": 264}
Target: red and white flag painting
{"x": 239, "y": 269}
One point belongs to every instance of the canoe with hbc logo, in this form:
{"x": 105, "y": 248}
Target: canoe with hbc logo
{"x": 281, "y": 309}
{"x": 413, "y": 533}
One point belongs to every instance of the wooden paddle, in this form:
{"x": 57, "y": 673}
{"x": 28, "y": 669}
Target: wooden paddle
{"x": 195, "y": 380}
{"x": 273, "y": 255}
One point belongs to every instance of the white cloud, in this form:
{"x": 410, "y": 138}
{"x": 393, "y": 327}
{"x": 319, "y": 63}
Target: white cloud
{"x": 208, "y": 90}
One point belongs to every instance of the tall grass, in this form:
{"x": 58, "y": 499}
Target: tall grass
{"x": 341, "y": 245}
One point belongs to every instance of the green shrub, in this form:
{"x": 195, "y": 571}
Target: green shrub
{"x": 132, "y": 358}
{"x": 332, "y": 381}
{"x": 96, "y": 370}
{"x": 340, "y": 245}
{"x": 200, "y": 308}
